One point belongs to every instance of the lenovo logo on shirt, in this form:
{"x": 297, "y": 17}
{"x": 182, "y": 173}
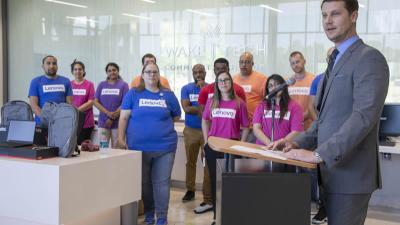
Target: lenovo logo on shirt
{"x": 107, "y": 91}
{"x": 79, "y": 92}
{"x": 223, "y": 113}
{"x": 247, "y": 88}
{"x": 194, "y": 97}
{"x": 299, "y": 90}
{"x": 53, "y": 88}
{"x": 268, "y": 115}
{"x": 152, "y": 103}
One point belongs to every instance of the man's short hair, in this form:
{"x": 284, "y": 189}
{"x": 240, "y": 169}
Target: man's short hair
{"x": 149, "y": 55}
{"x": 48, "y": 56}
{"x": 296, "y": 53}
{"x": 350, "y": 5}
{"x": 221, "y": 60}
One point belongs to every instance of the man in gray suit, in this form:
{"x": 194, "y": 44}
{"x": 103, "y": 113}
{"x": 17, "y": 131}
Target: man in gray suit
{"x": 344, "y": 138}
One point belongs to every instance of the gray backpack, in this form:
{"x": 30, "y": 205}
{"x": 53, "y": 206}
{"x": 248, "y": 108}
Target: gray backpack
{"x": 63, "y": 125}
{"x": 15, "y": 110}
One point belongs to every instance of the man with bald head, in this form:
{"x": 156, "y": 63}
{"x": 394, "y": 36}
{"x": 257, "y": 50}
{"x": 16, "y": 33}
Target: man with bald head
{"x": 253, "y": 83}
{"x": 193, "y": 137}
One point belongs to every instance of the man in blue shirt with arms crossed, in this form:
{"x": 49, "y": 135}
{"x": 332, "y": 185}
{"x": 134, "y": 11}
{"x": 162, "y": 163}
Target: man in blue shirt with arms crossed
{"x": 194, "y": 138}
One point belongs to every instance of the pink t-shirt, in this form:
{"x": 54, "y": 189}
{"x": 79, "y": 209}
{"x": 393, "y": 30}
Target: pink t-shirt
{"x": 82, "y": 93}
{"x": 226, "y": 119}
{"x": 292, "y": 121}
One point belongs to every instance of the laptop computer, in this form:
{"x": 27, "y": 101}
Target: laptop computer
{"x": 20, "y": 134}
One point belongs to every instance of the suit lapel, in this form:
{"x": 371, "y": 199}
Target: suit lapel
{"x": 345, "y": 58}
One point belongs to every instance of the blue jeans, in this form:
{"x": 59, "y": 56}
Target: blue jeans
{"x": 156, "y": 181}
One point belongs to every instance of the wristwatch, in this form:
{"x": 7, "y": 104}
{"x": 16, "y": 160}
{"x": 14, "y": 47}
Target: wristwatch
{"x": 319, "y": 159}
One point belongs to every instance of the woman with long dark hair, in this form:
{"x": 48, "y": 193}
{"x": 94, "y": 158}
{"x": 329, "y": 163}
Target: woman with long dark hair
{"x": 288, "y": 114}
{"x": 223, "y": 116}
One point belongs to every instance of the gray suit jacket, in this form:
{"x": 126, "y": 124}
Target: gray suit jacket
{"x": 345, "y": 134}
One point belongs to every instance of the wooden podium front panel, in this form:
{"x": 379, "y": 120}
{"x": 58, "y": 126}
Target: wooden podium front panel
{"x": 259, "y": 193}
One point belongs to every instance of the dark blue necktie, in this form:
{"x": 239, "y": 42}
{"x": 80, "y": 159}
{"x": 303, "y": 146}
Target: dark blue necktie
{"x": 331, "y": 62}
{"x": 328, "y": 70}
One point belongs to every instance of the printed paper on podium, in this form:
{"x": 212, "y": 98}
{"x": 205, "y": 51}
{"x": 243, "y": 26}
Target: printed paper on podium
{"x": 267, "y": 153}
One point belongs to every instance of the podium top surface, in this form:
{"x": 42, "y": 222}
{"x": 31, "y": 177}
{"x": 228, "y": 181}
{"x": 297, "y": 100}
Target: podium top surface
{"x": 234, "y": 147}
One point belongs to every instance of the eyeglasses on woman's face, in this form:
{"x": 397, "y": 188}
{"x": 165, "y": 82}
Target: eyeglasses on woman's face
{"x": 224, "y": 81}
{"x": 150, "y": 72}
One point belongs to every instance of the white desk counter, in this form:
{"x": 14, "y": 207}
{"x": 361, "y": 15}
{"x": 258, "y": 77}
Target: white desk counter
{"x": 69, "y": 191}
{"x": 389, "y": 195}
{"x": 390, "y": 149}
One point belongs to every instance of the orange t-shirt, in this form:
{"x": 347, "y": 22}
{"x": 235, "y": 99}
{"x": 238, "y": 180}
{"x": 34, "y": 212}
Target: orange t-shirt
{"x": 136, "y": 81}
{"x": 254, "y": 87}
{"x": 300, "y": 92}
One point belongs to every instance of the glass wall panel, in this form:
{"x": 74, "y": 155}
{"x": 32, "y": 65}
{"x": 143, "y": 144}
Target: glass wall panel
{"x": 183, "y": 33}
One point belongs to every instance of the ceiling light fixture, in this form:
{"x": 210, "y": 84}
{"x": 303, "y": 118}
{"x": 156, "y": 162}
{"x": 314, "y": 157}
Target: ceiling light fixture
{"x": 67, "y": 3}
{"x": 149, "y": 1}
{"x": 271, "y": 8}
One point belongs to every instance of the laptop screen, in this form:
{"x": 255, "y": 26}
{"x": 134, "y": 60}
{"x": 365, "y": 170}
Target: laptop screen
{"x": 21, "y": 131}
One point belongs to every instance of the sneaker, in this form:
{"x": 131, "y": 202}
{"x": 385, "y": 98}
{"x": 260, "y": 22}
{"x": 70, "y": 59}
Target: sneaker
{"x": 204, "y": 207}
{"x": 189, "y": 196}
{"x": 320, "y": 217}
{"x": 162, "y": 221}
{"x": 149, "y": 218}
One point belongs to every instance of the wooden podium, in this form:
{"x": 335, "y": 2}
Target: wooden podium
{"x": 260, "y": 191}
{"x": 225, "y": 145}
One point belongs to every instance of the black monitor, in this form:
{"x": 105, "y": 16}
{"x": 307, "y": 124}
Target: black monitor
{"x": 390, "y": 121}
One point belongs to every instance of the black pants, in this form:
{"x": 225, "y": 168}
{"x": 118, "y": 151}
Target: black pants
{"x": 211, "y": 158}
{"x": 86, "y": 133}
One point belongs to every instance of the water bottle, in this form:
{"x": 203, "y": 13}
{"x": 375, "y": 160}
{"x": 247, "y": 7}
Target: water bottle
{"x": 104, "y": 142}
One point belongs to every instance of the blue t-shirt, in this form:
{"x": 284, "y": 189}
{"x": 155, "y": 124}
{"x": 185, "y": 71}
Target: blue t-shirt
{"x": 191, "y": 92}
{"x": 314, "y": 85}
{"x": 151, "y": 125}
{"x": 50, "y": 90}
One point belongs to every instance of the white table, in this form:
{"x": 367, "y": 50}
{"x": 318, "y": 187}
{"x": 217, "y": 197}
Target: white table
{"x": 83, "y": 190}
{"x": 389, "y": 195}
